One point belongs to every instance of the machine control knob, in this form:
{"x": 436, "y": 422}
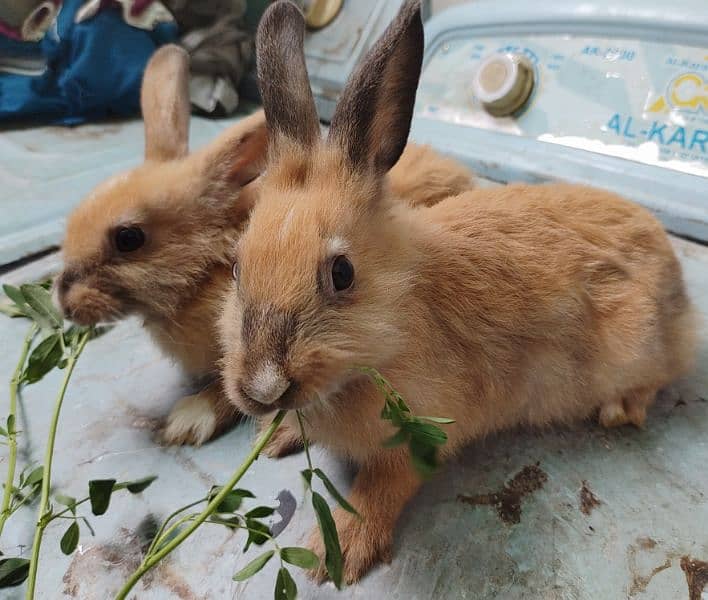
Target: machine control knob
{"x": 503, "y": 83}
{"x": 320, "y": 13}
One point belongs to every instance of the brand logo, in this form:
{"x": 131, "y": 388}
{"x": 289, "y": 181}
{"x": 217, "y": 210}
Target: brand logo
{"x": 687, "y": 93}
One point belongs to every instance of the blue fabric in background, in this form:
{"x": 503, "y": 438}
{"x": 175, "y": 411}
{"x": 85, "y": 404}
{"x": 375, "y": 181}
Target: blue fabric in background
{"x": 93, "y": 71}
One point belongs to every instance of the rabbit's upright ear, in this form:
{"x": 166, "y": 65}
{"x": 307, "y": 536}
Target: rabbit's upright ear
{"x": 373, "y": 117}
{"x": 282, "y": 75}
{"x": 164, "y": 100}
{"x": 239, "y": 155}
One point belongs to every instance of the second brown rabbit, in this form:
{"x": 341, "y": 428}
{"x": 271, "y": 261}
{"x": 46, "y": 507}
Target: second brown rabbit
{"x": 157, "y": 241}
{"x": 523, "y": 305}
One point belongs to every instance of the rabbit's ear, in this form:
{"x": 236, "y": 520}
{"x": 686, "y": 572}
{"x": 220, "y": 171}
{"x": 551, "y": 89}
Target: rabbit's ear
{"x": 164, "y": 100}
{"x": 373, "y": 117}
{"x": 239, "y": 155}
{"x": 282, "y": 74}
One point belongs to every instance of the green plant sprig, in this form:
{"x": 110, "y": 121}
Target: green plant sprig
{"x": 164, "y": 546}
{"x": 421, "y": 434}
{"x": 10, "y": 432}
{"x": 61, "y": 348}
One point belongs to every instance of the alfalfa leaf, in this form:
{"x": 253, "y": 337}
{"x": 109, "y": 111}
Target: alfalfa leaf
{"x": 285, "y": 587}
{"x": 13, "y": 571}
{"x": 335, "y": 493}
{"x": 254, "y": 566}
{"x": 40, "y": 300}
{"x": 46, "y": 355}
{"x": 333, "y": 551}
{"x": 300, "y": 557}
{"x": 70, "y": 539}
{"x": 100, "y": 491}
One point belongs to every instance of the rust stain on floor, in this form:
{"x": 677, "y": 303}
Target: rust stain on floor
{"x": 588, "y": 500}
{"x": 507, "y": 501}
{"x": 640, "y": 582}
{"x": 696, "y": 576}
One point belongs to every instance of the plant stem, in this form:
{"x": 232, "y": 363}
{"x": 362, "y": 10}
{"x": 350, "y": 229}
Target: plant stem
{"x": 42, "y": 520}
{"x": 67, "y": 509}
{"x": 305, "y": 443}
{"x": 12, "y": 435}
{"x": 160, "y": 531}
{"x": 152, "y": 560}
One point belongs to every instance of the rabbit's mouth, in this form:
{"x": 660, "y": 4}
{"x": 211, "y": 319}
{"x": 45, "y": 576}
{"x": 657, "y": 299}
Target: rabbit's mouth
{"x": 86, "y": 306}
{"x": 290, "y": 398}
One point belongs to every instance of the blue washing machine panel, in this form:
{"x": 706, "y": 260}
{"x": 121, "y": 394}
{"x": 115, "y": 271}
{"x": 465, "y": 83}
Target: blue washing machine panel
{"x": 616, "y": 97}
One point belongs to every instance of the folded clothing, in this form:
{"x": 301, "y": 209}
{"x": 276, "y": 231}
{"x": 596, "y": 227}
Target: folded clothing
{"x": 82, "y": 71}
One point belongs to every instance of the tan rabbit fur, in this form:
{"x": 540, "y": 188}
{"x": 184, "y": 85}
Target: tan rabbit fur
{"x": 523, "y": 305}
{"x": 191, "y": 209}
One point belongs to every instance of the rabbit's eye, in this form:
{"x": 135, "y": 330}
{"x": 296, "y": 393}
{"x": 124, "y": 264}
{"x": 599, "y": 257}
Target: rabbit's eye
{"x": 342, "y": 273}
{"x": 129, "y": 239}
{"x": 234, "y": 270}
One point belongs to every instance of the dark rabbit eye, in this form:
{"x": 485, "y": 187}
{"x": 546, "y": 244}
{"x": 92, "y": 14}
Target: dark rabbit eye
{"x": 342, "y": 273}
{"x": 234, "y": 270}
{"x": 129, "y": 239}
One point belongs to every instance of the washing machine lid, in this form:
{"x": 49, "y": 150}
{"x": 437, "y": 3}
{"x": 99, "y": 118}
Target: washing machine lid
{"x": 588, "y": 92}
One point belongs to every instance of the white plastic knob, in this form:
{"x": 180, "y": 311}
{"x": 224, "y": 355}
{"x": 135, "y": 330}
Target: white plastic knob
{"x": 503, "y": 83}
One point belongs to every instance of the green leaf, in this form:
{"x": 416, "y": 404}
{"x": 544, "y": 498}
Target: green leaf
{"x": 3, "y": 433}
{"x": 398, "y": 438}
{"x": 15, "y": 295}
{"x": 100, "y": 491}
{"x": 10, "y": 310}
{"x": 136, "y": 486}
{"x": 333, "y": 552}
{"x": 230, "y": 522}
{"x": 10, "y": 424}
{"x": 285, "y": 587}
{"x": 13, "y": 571}
{"x": 259, "y": 512}
{"x": 43, "y": 359}
{"x": 67, "y": 501}
{"x": 232, "y": 501}
{"x": 300, "y": 557}
{"x": 426, "y": 433}
{"x": 335, "y": 493}
{"x": 258, "y": 533}
{"x": 41, "y": 302}
{"x": 70, "y": 539}
{"x": 254, "y": 566}
{"x": 307, "y": 476}
{"x": 34, "y": 478}
{"x": 423, "y": 457}
{"x": 441, "y": 420}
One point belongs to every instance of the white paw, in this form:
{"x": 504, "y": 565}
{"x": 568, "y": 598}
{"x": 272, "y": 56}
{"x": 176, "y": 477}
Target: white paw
{"x": 192, "y": 421}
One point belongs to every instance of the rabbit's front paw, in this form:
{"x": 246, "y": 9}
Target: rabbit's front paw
{"x": 192, "y": 421}
{"x": 364, "y": 544}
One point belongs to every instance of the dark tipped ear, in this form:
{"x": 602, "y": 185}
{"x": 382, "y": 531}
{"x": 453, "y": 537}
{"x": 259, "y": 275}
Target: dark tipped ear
{"x": 373, "y": 117}
{"x": 282, "y": 74}
{"x": 164, "y": 100}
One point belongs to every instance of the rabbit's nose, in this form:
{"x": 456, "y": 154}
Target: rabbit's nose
{"x": 267, "y": 384}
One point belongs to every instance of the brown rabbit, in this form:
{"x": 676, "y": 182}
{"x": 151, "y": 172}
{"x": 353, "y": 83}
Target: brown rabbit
{"x": 157, "y": 241}
{"x": 523, "y": 305}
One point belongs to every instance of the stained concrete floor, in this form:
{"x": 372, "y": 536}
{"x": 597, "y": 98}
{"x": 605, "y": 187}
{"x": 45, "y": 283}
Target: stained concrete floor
{"x": 580, "y": 513}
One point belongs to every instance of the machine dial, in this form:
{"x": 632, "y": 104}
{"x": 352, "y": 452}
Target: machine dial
{"x": 320, "y": 13}
{"x": 503, "y": 83}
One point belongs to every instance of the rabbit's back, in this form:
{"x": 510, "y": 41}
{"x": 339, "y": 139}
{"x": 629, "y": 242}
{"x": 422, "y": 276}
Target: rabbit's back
{"x": 567, "y": 297}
